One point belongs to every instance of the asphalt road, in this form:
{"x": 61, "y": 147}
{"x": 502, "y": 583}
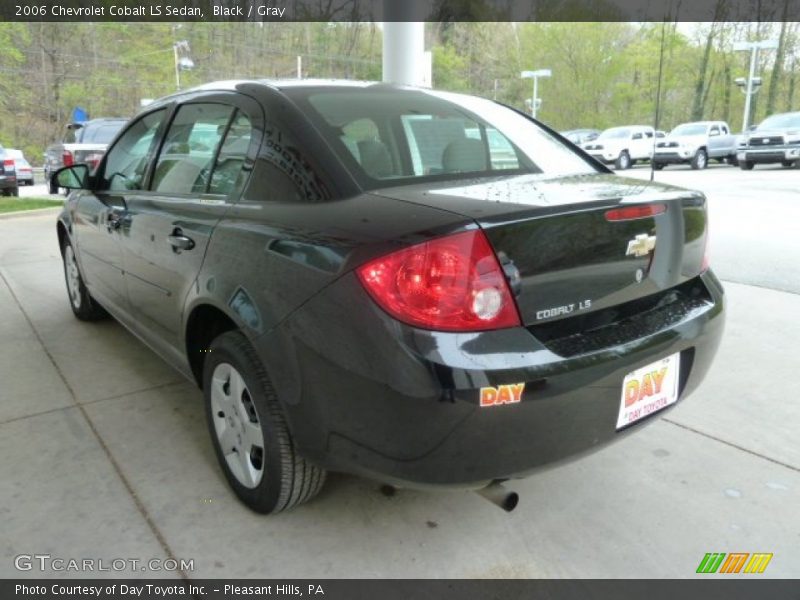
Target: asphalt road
{"x": 105, "y": 453}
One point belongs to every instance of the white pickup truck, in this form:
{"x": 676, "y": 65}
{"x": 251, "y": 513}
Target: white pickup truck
{"x": 623, "y": 146}
{"x": 696, "y": 143}
{"x": 775, "y": 140}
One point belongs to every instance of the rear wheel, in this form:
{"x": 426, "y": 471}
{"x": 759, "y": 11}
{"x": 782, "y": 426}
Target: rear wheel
{"x": 746, "y": 165}
{"x": 787, "y": 164}
{"x": 249, "y": 431}
{"x": 623, "y": 161}
{"x": 658, "y": 166}
{"x": 700, "y": 159}
{"x": 83, "y": 305}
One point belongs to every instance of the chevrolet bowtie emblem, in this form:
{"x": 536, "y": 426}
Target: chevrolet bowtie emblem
{"x": 641, "y": 245}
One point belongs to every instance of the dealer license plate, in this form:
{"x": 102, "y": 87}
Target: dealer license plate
{"x": 649, "y": 389}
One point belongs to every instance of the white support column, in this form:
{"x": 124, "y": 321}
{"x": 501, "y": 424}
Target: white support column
{"x": 403, "y": 45}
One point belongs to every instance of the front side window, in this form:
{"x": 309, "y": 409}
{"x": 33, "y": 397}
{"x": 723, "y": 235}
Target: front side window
{"x": 126, "y": 162}
{"x": 386, "y": 136}
{"x": 186, "y": 160}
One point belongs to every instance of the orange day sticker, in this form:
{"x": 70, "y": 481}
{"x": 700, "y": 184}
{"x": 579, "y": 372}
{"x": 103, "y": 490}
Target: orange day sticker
{"x": 502, "y": 394}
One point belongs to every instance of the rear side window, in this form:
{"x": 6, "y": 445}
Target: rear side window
{"x": 186, "y": 160}
{"x": 227, "y": 173}
{"x": 126, "y": 162}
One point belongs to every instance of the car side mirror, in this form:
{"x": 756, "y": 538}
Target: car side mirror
{"x": 75, "y": 177}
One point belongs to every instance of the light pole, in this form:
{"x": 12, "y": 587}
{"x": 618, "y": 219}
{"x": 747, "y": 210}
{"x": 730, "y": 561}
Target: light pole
{"x": 535, "y": 76}
{"x": 752, "y": 85}
{"x": 182, "y": 63}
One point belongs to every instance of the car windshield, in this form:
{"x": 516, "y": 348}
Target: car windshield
{"x": 415, "y": 135}
{"x": 689, "y": 129}
{"x": 615, "y": 133}
{"x": 781, "y": 121}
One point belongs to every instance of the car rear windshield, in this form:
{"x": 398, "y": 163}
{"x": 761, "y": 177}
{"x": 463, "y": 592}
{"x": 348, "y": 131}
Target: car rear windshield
{"x": 98, "y": 133}
{"x": 395, "y": 136}
{"x": 781, "y": 121}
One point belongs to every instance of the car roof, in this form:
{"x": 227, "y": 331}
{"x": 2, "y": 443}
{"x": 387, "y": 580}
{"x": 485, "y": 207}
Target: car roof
{"x": 231, "y": 85}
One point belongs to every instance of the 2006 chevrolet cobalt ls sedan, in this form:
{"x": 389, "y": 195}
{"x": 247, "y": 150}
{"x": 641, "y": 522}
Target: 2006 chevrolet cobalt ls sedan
{"x": 425, "y": 288}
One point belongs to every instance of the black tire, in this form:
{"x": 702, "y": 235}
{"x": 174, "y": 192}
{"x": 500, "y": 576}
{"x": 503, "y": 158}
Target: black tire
{"x": 84, "y": 307}
{"x": 746, "y": 165}
{"x": 733, "y": 161}
{"x": 658, "y": 166}
{"x": 286, "y": 478}
{"x": 787, "y": 164}
{"x": 623, "y": 161}
{"x": 700, "y": 159}
{"x": 15, "y": 192}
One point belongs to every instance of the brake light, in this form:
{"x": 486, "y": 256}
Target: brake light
{"x": 93, "y": 159}
{"x": 8, "y": 164}
{"x": 639, "y": 211}
{"x": 453, "y": 283}
{"x": 67, "y": 158}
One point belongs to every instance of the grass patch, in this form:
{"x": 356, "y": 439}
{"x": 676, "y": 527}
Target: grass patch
{"x": 9, "y": 204}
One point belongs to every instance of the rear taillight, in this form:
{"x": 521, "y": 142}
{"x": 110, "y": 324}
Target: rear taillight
{"x": 94, "y": 158}
{"x": 67, "y": 158}
{"x": 453, "y": 283}
{"x": 8, "y": 164}
{"x": 638, "y": 211}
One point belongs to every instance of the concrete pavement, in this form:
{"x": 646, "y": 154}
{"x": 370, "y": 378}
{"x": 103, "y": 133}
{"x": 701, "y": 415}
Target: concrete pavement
{"x": 105, "y": 454}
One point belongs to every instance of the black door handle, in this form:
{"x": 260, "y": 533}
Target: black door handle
{"x": 178, "y": 241}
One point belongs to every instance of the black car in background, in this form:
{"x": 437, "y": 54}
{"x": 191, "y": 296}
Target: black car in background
{"x": 425, "y": 288}
{"x": 9, "y": 186}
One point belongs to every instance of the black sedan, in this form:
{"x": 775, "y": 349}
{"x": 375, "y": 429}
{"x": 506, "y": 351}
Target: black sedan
{"x": 425, "y": 288}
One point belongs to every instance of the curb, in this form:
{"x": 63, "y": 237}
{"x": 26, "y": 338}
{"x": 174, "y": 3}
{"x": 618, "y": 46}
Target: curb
{"x": 31, "y": 213}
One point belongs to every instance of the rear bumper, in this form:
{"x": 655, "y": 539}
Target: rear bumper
{"x": 8, "y": 182}
{"x": 401, "y": 405}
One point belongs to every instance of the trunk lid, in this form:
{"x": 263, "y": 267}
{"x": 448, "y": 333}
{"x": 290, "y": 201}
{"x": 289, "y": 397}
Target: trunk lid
{"x": 562, "y": 254}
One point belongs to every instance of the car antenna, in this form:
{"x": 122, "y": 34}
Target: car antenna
{"x": 658, "y": 101}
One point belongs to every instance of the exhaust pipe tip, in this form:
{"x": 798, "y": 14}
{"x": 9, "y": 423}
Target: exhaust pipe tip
{"x": 498, "y": 495}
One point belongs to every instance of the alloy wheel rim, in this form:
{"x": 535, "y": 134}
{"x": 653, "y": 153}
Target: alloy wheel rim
{"x": 73, "y": 277}
{"x": 237, "y": 425}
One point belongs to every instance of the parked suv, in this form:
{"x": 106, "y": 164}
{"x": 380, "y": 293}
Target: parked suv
{"x": 623, "y": 146}
{"x": 696, "y": 143}
{"x": 775, "y": 140}
{"x": 357, "y": 283}
{"x": 83, "y": 143}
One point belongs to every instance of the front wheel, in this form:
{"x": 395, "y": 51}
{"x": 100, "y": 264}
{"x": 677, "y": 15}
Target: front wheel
{"x": 746, "y": 165}
{"x": 83, "y": 305}
{"x": 249, "y": 431}
{"x": 700, "y": 159}
{"x": 623, "y": 161}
